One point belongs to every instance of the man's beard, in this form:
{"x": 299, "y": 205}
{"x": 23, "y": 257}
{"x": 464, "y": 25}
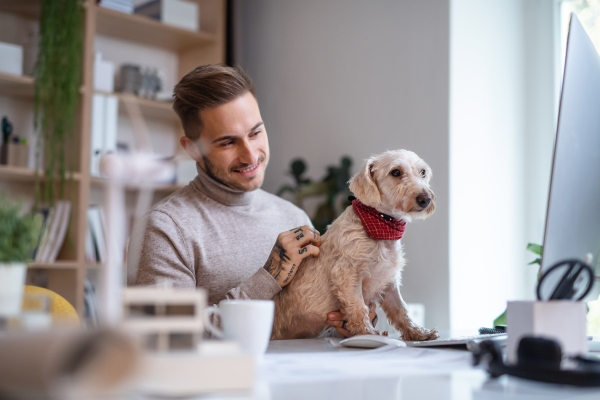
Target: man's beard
{"x": 222, "y": 178}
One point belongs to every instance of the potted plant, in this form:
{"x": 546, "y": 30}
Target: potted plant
{"x": 333, "y": 186}
{"x": 19, "y": 234}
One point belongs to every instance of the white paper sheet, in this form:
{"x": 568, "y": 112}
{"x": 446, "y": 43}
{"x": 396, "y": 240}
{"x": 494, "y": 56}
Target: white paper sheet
{"x": 341, "y": 365}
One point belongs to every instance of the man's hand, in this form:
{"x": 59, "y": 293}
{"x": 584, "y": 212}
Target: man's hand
{"x": 290, "y": 249}
{"x": 336, "y": 319}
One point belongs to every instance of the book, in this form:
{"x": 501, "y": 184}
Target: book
{"x": 97, "y": 232}
{"x": 63, "y": 224}
{"x": 45, "y": 235}
{"x": 52, "y": 231}
{"x": 105, "y": 114}
{"x": 44, "y": 212}
{"x": 97, "y": 133}
{"x": 92, "y": 313}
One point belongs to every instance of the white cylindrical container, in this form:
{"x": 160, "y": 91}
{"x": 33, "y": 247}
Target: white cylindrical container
{"x": 12, "y": 283}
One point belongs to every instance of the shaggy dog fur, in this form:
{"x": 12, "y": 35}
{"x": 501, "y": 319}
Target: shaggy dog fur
{"x": 352, "y": 268}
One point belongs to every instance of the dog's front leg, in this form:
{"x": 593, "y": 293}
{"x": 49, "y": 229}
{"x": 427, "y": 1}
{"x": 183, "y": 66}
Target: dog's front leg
{"x": 397, "y": 314}
{"x": 356, "y": 313}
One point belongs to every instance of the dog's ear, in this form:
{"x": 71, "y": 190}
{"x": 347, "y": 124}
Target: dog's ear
{"x": 363, "y": 186}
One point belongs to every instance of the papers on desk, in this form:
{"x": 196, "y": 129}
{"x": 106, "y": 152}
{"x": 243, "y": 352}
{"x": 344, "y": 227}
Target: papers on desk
{"x": 384, "y": 361}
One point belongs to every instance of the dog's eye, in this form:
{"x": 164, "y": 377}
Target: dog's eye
{"x": 396, "y": 172}
{"x": 423, "y": 173}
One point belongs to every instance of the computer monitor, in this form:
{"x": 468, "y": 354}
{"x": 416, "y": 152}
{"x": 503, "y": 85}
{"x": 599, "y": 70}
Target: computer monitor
{"x": 573, "y": 213}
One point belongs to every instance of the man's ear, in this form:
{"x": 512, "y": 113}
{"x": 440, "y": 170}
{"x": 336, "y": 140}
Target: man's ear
{"x": 363, "y": 186}
{"x": 191, "y": 148}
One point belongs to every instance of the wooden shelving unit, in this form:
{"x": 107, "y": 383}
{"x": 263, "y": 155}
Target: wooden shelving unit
{"x": 67, "y": 275}
{"x": 22, "y": 174}
{"x": 15, "y": 85}
{"x": 144, "y": 30}
{"x": 150, "y": 108}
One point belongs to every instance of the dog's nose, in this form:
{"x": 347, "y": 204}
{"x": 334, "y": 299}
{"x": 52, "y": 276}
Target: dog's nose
{"x": 423, "y": 200}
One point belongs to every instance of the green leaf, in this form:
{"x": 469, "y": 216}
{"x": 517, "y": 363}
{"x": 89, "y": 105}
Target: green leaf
{"x": 536, "y": 261}
{"x": 535, "y": 248}
{"x": 501, "y": 320}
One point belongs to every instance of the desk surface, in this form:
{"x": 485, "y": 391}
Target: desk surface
{"x": 316, "y": 369}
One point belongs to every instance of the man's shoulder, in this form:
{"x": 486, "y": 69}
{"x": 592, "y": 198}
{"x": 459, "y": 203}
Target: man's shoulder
{"x": 177, "y": 205}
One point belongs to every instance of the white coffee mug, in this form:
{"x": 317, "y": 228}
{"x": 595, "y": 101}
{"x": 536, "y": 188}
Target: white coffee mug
{"x": 249, "y": 322}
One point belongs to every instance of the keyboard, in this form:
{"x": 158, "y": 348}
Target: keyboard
{"x": 458, "y": 341}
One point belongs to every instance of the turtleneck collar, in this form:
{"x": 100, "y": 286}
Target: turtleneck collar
{"x": 219, "y": 192}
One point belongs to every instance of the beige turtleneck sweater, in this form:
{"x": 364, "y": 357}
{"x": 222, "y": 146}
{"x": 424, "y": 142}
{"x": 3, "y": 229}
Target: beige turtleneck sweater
{"x": 209, "y": 235}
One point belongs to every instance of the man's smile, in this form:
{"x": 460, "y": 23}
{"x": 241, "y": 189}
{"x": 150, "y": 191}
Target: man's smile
{"x": 251, "y": 170}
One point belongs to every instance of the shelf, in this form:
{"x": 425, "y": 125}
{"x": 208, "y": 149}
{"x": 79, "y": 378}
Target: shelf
{"x": 16, "y": 85}
{"x": 25, "y": 8}
{"x": 22, "y": 174}
{"x": 160, "y": 187}
{"x": 140, "y": 29}
{"x": 54, "y": 265}
{"x": 149, "y": 108}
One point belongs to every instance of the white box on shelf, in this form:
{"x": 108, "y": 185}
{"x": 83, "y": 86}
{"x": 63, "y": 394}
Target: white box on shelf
{"x": 11, "y": 58}
{"x": 181, "y": 13}
{"x": 563, "y": 321}
{"x": 104, "y": 74}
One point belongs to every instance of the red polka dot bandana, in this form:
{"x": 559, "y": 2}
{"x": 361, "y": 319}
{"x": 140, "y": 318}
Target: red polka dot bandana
{"x": 378, "y": 225}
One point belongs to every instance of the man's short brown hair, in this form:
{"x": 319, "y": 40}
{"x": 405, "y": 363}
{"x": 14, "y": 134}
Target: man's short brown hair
{"x": 207, "y": 86}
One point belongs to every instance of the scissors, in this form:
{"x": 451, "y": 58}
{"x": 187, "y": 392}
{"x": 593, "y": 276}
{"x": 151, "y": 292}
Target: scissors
{"x": 570, "y": 279}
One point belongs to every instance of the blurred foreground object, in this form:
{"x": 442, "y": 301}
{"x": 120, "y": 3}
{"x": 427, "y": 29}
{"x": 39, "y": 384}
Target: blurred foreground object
{"x": 161, "y": 316}
{"x": 66, "y": 364}
{"x": 148, "y": 312}
{"x": 218, "y": 366}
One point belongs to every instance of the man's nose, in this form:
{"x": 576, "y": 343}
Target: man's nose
{"x": 248, "y": 154}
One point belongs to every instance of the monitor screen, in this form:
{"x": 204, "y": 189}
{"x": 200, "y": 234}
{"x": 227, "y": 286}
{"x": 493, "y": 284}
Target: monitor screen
{"x": 573, "y": 214}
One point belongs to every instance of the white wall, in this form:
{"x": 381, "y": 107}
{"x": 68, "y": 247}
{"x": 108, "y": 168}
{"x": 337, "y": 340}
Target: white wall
{"x": 341, "y": 77}
{"x": 501, "y": 130}
{"x": 469, "y": 86}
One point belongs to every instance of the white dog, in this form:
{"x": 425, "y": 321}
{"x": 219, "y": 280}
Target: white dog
{"x": 361, "y": 258}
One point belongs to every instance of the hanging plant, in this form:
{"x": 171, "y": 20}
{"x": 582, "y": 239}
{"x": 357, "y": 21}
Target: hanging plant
{"x": 58, "y": 78}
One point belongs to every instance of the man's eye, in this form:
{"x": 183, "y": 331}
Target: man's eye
{"x": 396, "y": 173}
{"x": 423, "y": 173}
{"x": 256, "y": 133}
{"x": 225, "y": 144}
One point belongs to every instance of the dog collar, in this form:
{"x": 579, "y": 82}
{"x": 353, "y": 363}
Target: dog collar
{"x": 378, "y": 225}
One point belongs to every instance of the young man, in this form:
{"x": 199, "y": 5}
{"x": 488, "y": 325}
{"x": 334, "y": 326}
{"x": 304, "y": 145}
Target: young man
{"x": 222, "y": 232}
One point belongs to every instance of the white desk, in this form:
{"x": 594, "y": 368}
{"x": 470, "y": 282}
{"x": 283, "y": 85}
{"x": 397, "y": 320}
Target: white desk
{"x": 315, "y": 369}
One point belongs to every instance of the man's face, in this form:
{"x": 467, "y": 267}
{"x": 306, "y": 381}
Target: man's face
{"x": 233, "y": 147}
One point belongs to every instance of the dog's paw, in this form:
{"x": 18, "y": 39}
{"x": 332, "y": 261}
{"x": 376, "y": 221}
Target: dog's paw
{"x": 364, "y": 329}
{"x": 417, "y": 333}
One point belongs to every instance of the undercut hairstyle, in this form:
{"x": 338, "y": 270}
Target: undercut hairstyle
{"x": 207, "y": 86}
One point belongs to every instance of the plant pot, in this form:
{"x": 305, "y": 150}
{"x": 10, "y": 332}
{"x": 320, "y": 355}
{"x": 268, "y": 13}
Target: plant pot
{"x": 12, "y": 284}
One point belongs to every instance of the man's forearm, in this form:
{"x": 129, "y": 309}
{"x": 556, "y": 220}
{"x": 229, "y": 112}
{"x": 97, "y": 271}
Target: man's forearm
{"x": 260, "y": 286}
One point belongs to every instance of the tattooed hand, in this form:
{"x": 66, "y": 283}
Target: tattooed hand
{"x": 290, "y": 249}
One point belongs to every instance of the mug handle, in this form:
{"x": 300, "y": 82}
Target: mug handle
{"x": 208, "y": 313}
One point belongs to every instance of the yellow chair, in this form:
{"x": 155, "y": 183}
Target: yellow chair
{"x": 61, "y": 310}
